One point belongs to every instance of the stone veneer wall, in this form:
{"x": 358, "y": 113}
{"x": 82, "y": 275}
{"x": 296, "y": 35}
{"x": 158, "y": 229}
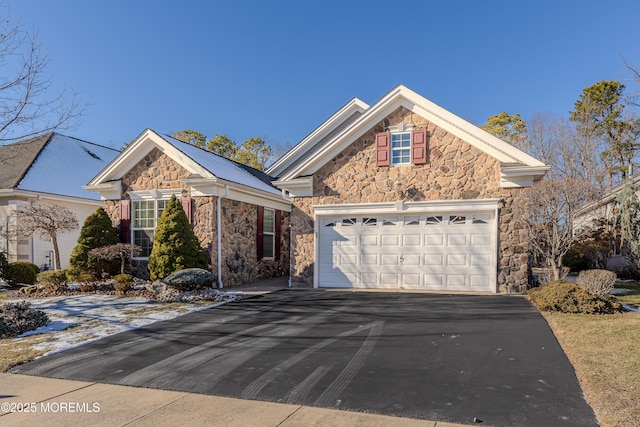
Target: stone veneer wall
{"x": 238, "y": 220}
{"x": 454, "y": 170}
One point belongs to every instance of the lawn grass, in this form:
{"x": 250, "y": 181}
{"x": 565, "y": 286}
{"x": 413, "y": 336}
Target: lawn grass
{"x": 605, "y": 352}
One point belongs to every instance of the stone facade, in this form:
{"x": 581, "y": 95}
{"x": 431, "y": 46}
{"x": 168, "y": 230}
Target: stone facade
{"x": 455, "y": 170}
{"x": 157, "y": 171}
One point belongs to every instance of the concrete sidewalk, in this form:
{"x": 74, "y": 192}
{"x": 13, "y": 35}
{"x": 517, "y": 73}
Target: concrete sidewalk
{"x": 37, "y": 401}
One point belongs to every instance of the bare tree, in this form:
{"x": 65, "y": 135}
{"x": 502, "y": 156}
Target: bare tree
{"x": 46, "y": 222}
{"x": 549, "y": 215}
{"x": 555, "y": 142}
{"x": 27, "y": 105}
{"x": 121, "y": 251}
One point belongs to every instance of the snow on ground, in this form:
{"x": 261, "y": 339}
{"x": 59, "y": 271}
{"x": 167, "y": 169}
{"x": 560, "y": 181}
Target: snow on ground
{"x": 80, "y": 319}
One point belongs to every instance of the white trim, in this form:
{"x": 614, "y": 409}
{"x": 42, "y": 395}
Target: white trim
{"x": 162, "y": 194}
{"x": 471, "y": 205}
{"x": 520, "y": 176}
{"x": 298, "y": 187}
{"x": 50, "y": 197}
{"x": 328, "y": 126}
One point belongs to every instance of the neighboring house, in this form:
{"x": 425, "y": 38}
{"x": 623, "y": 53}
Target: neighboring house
{"x": 603, "y": 212}
{"x": 238, "y": 216}
{"x": 404, "y": 194}
{"x": 49, "y": 169}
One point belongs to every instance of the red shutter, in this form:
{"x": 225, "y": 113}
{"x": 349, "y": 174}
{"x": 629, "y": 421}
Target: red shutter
{"x": 260, "y": 233}
{"x": 383, "y": 149}
{"x": 419, "y": 147}
{"x": 278, "y": 229}
{"x": 125, "y": 221}
{"x": 186, "y": 205}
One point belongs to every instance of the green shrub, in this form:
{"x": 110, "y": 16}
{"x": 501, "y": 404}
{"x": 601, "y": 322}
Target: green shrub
{"x": 123, "y": 283}
{"x": 79, "y": 276}
{"x": 175, "y": 246}
{"x": 53, "y": 279}
{"x": 3, "y": 264}
{"x": 21, "y": 272}
{"x": 18, "y": 318}
{"x": 597, "y": 282}
{"x": 568, "y": 297}
{"x": 96, "y": 232}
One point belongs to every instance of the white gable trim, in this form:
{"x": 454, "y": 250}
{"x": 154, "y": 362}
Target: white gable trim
{"x": 139, "y": 148}
{"x": 402, "y": 96}
{"x": 353, "y": 106}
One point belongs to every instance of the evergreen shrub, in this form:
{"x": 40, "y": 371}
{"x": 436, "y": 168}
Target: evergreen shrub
{"x": 175, "y": 245}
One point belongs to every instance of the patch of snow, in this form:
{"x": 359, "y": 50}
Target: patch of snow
{"x": 630, "y": 307}
{"x": 619, "y": 291}
{"x": 78, "y": 320}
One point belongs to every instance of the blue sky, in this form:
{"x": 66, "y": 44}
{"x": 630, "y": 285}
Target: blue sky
{"x": 277, "y": 69}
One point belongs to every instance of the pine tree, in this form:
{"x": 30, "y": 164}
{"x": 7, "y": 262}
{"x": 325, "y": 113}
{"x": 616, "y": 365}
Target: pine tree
{"x": 96, "y": 232}
{"x": 175, "y": 245}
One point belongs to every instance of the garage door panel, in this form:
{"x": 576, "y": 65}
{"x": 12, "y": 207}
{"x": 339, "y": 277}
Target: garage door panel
{"x": 390, "y": 240}
{"x": 369, "y": 240}
{"x": 456, "y": 260}
{"x": 434, "y": 259}
{"x": 457, "y": 240}
{"x": 456, "y": 280}
{"x": 412, "y": 280}
{"x": 388, "y": 279}
{"x": 411, "y": 260}
{"x": 434, "y": 240}
{"x": 410, "y": 240}
{"x": 369, "y": 259}
{"x": 481, "y": 239}
{"x": 480, "y": 260}
{"x": 388, "y": 259}
{"x": 433, "y": 281}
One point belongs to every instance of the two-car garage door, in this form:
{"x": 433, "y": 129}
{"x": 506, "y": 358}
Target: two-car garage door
{"x": 443, "y": 251}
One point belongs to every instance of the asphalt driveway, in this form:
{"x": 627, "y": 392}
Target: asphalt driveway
{"x": 433, "y": 356}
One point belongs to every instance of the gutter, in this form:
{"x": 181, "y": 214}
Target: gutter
{"x": 219, "y": 234}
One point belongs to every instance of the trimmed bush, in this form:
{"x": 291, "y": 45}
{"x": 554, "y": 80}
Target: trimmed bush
{"x": 189, "y": 279}
{"x": 96, "y": 232}
{"x": 21, "y": 272}
{"x": 597, "y": 282}
{"x": 52, "y": 279}
{"x": 18, "y": 318}
{"x": 568, "y": 297}
{"x": 175, "y": 246}
{"x": 123, "y": 283}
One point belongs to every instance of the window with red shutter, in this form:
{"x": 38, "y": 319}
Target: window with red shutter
{"x": 383, "y": 149}
{"x": 125, "y": 221}
{"x": 186, "y": 205}
{"x": 419, "y": 146}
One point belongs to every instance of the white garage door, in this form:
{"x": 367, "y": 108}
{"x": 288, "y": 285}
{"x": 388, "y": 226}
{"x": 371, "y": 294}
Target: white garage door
{"x": 452, "y": 251}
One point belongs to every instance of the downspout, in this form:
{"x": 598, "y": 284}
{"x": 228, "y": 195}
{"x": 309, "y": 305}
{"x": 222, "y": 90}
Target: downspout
{"x": 219, "y": 234}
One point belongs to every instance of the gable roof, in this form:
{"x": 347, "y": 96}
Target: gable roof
{"x": 53, "y": 164}
{"x": 210, "y": 173}
{"x": 517, "y": 167}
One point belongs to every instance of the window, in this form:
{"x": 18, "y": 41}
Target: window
{"x": 401, "y": 145}
{"x": 145, "y": 215}
{"x": 269, "y": 232}
{"x": 400, "y": 148}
